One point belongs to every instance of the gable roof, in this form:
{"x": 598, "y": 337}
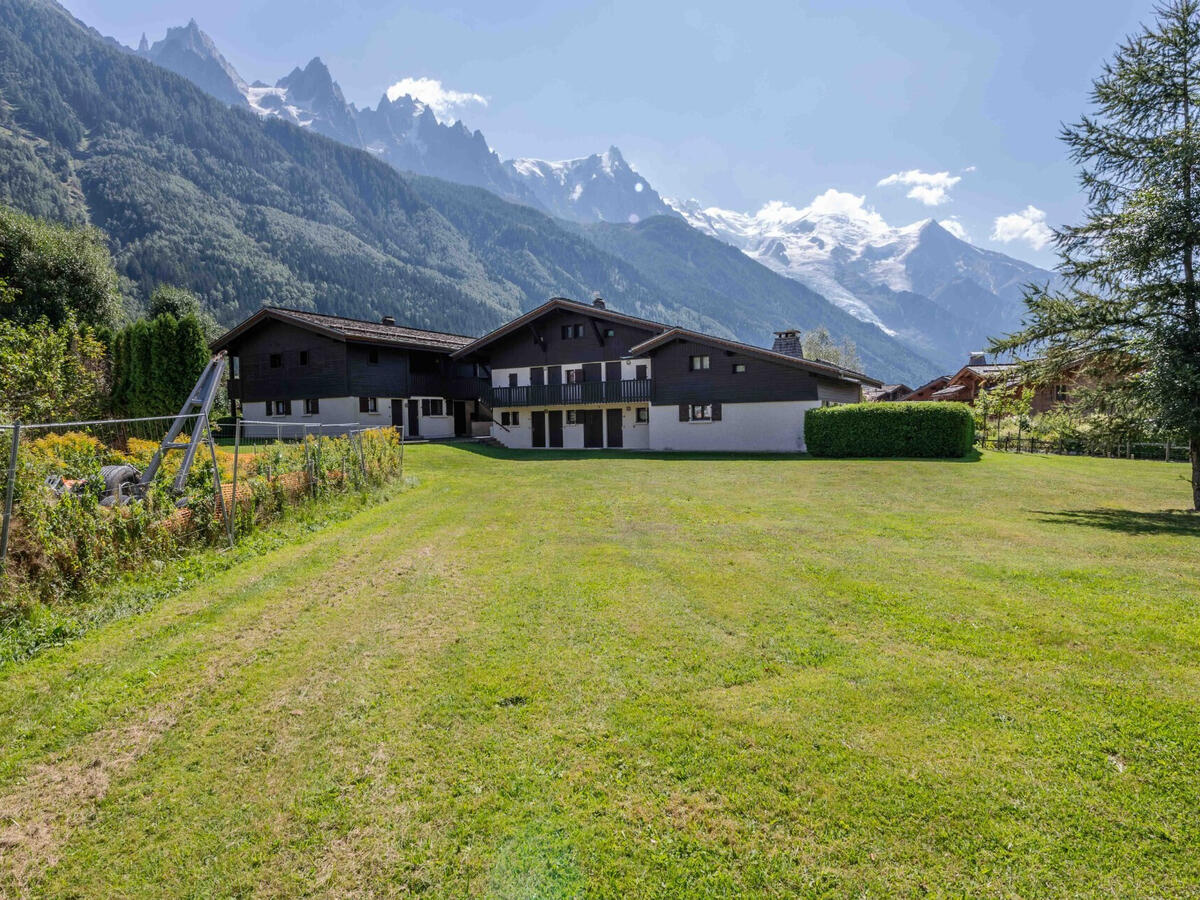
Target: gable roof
{"x": 817, "y": 367}
{"x": 342, "y": 329}
{"x": 931, "y": 385}
{"x": 552, "y": 304}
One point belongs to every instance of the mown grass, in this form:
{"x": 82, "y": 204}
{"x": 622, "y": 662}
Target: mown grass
{"x": 627, "y": 676}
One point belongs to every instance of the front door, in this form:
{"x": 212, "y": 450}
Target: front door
{"x": 460, "y": 418}
{"x": 414, "y": 419}
{"x": 556, "y": 427}
{"x": 397, "y": 413}
{"x": 538, "y": 424}
{"x": 615, "y": 436}
{"x": 593, "y": 427}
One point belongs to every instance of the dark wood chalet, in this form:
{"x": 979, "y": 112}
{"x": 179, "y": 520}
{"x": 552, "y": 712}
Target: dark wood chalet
{"x": 291, "y": 365}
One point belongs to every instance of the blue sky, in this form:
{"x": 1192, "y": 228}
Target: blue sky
{"x": 735, "y": 104}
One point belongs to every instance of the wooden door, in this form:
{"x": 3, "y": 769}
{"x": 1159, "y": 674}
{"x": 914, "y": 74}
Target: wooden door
{"x": 616, "y": 437}
{"x": 538, "y": 426}
{"x": 414, "y": 419}
{"x": 612, "y": 382}
{"x": 593, "y": 427}
{"x": 460, "y": 418}
{"x": 556, "y": 427}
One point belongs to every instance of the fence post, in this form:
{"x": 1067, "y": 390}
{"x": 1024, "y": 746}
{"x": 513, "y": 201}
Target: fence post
{"x": 8, "y": 493}
{"x": 237, "y": 447}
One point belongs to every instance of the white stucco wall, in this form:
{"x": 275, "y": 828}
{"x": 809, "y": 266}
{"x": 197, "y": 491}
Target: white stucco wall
{"x": 744, "y": 427}
{"x": 634, "y": 436}
{"x": 334, "y": 411}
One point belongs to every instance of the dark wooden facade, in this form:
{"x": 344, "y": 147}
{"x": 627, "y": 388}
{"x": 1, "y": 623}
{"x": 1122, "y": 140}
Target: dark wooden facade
{"x": 542, "y": 343}
{"x": 278, "y": 357}
{"x": 761, "y": 381}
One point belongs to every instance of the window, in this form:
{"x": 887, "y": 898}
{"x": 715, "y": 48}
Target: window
{"x": 433, "y": 406}
{"x": 574, "y": 376}
{"x": 610, "y": 332}
{"x": 572, "y": 331}
{"x": 512, "y": 379}
{"x": 304, "y": 357}
{"x": 373, "y": 357}
{"x": 276, "y": 360}
{"x": 739, "y": 368}
{"x": 642, "y": 414}
{"x": 280, "y": 407}
{"x": 505, "y": 419}
{"x": 642, "y": 373}
{"x": 312, "y": 407}
{"x": 573, "y": 417}
{"x": 516, "y": 417}
{"x": 368, "y": 404}
{"x": 235, "y": 367}
{"x": 701, "y": 412}
{"x": 698, "y": 363}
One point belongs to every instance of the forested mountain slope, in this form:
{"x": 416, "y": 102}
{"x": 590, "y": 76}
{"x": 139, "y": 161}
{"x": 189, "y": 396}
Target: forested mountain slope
{"x": 247, "y": 211}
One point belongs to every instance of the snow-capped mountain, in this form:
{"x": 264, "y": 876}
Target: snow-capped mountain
{"x": 406, "y": 133}
{"x": 920, "y": 283}
{"x": 602, "y": 187}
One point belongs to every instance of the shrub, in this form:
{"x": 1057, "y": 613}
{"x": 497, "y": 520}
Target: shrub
{"x": 890, "y": 429}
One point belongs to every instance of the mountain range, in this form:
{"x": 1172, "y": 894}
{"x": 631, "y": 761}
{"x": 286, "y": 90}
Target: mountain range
{"x": 922, "y": 284}
{"x": 247, "y": 209}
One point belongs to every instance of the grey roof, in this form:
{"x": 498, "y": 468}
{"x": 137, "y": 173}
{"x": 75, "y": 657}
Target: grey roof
{"x": 359, "y": 330}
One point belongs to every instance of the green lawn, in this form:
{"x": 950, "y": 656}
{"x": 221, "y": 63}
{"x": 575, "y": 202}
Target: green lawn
{"x": 626, "y": 676}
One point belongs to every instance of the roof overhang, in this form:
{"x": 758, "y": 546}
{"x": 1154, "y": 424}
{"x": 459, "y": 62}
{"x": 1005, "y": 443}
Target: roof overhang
{"x": 817, "y": 368}
{"x": 282, "y": 315}
{"x": 556, "y": 303}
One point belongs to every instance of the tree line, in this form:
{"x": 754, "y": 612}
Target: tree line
{"x": 72, "y": 346}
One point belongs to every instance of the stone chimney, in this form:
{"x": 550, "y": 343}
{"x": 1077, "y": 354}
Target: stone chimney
{"x": 978, "y": 358}
{"x": 388, "y": 320}
{"x": 788, "y": 343}
{"x": 599, "y": 303}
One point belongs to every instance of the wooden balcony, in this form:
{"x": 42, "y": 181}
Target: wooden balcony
{"x": 584, "y": 392}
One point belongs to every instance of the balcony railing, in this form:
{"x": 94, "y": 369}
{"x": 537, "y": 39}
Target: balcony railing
{"x": 632, "y": 391}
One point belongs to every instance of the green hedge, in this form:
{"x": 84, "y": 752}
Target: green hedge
{"x": 890, "y": 429}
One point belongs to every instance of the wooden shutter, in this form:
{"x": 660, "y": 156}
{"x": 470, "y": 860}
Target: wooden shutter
{"x": 716, "y": 412}
{"x": 363, "y": 405}
{"x": 683, "y": 412}
{"x": 425, "y": 407}
{"x": 270, "y": 405}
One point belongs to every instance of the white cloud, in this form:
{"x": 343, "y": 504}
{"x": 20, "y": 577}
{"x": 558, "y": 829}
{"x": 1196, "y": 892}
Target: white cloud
{"x": 1028, "y": 225}
{"x": 442, "y": 100}
{"x": 955, "y": 227}
{"x": 931, "y": 188}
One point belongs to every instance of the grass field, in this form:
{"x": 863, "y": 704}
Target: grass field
{"x": 617, "y": 676}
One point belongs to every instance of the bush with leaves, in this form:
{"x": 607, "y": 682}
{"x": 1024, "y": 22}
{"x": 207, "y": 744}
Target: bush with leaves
{"x": 934, "y": 430}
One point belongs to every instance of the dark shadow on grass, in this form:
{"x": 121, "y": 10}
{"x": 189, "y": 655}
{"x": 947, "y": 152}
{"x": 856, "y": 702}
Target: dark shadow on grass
{"x": 1126, "y": 521}
{"x": 675, "y": 455}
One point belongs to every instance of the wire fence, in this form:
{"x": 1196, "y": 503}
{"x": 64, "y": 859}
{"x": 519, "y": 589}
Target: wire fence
{"x": 1164, "y": 451}
{"x": 85, "y": 500}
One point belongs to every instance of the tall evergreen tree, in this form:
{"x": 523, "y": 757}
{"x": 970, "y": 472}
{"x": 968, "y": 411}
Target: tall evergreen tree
{"x": 1129, "y": 314}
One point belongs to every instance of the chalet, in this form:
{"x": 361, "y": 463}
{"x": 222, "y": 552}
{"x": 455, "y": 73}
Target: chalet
{"x": 293, "y": 366}
{"x": 573, "y": 375}
{"x": 927, "y": 390}
{"x": 978, "y": 375}
{"x": 887, "y": 393}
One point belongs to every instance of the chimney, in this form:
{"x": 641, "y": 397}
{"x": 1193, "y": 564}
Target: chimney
{"x": 788, "y": 343}
{"x": 388, "y": 320}
{"x": 598, "y": 302}
{"x": 978, "y": 358}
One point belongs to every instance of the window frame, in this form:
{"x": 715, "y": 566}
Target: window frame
{"x": 275, "y": 360}
{"x": 304, "y": 357}
{"x": 699, "y": 362}
{"x": 369, "y": 405}
{"x": 312, "y": 406}
{"x": 739, "y": 368}
{"x": 705, "y": 412}
{"x": 641, "y": 415}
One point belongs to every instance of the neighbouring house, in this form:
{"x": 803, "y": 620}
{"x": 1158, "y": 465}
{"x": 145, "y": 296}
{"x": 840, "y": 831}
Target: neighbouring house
{"x": 887, "y": 393}
{"x": 927, "y": 390}
{"x": 291, "y": 366}
{"x": 573, "y": 375}
{"x": 978, "y": 375}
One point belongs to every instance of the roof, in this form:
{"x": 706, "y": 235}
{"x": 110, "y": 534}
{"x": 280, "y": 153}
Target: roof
{"x": 948, "y": 392}
{"x": 991, "y": 370}
{"x": 939, "y": 380}
{"x": 343, "y": 329}
{"x": 811, "y": 365}
{"x": 557, "y": 303}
